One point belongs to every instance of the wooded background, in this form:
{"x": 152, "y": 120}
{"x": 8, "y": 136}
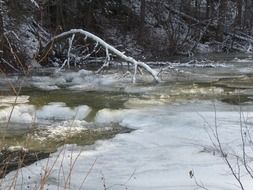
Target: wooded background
{"x": 150, "y": 29}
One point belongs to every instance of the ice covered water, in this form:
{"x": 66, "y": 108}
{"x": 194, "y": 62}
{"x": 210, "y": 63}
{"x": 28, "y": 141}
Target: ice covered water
{"x": 168, "y": 143}
{"x": 173, "y": 142}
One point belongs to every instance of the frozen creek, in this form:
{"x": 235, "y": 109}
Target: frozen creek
{"x": 173, "y": 137}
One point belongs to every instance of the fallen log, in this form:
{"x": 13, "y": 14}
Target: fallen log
{"x": 108, "y": 49}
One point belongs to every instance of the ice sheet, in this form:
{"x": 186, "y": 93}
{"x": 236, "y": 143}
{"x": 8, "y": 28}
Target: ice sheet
{"x": 170, "y": 141}
{"x": 25, "y": 113}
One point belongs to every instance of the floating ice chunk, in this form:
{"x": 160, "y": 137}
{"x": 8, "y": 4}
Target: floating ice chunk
{"x": 45, "y": 86}
{"x": 242, "y": 60}
{"x": 40, "y": 78}
{"x": 24, "y": 113}
{"x": 59, "y": 111}
{"x": 81, "y": 112}
{"x": 115, "y": 116}
{"x": 84, "y": 72}
{"x": 46, "y": 83}
{"x": 60, "y": 81}
{"x": 82, "y": 79}
{"x": 108, "y": 115}
{"x": 19, "y": 114}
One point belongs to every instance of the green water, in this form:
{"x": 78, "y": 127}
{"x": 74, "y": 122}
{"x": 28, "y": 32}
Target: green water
{"x": 97, "y": 100}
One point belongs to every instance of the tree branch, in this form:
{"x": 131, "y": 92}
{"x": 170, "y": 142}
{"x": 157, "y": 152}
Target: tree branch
{"x": 108, "y": 49}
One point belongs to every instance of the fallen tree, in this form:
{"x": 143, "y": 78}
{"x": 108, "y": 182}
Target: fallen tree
{"x": 70, "y": 35}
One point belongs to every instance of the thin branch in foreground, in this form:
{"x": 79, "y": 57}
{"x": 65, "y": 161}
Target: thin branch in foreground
{"x": 225, "y": 155}
{"x": 88, "y": 173}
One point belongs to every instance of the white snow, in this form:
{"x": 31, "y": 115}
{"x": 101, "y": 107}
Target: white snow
{"x": 170, "y": 140}
{"x": 203, "y": 48}
{"x": 31, "y": 44}
{"x": 35, "y": 3}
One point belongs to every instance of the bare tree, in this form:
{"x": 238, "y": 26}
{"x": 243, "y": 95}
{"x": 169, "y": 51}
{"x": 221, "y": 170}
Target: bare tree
{"x": 239, "y": 12}
{"x": 221, "y": 19}
{"x": 142, "y": 15}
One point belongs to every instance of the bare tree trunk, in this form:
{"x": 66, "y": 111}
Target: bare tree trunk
{"x": 221, "y": 20}
{"x": 239, "y": 13}
{"x": 1, "y": 30}
{"x": 246, "y": 13}
{"x": 142, "y": 17}
{"x": 197, "y": 9}
{"x": 212, "y": 9}
{"x": 208, "y": 6}
{"x": 188, "y": 3}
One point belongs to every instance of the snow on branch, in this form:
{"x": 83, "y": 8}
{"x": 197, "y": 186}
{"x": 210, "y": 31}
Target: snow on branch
{"x": 35, "y": 3}
{"x": 108, "y": 48}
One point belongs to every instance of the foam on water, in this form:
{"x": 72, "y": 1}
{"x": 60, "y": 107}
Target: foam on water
{"x": 60, "y": 130}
